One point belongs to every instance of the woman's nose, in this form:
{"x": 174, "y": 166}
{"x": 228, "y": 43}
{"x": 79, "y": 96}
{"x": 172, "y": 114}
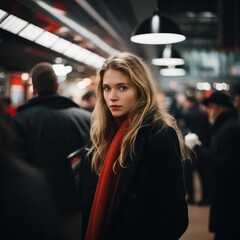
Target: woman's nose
{"x": 113, "y": 96}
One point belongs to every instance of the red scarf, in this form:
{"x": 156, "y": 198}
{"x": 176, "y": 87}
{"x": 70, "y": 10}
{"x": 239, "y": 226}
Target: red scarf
{"x": 106, "y": 188}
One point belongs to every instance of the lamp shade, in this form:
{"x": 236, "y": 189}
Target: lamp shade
{"x": 157, "y": 30}
{"x": 168, "y": 57}
{"x": 172, "y": 71}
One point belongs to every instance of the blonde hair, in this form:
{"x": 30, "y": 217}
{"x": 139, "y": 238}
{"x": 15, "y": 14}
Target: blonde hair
{"x": 103, "y": 126}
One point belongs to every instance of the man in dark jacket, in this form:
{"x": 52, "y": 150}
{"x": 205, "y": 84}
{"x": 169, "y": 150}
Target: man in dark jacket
{"x": 223, "y": 155}
{"x": 196, "y": 121}
{"x": 47, "y": 129}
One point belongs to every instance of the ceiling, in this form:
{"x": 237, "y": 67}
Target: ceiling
{"x": 212, "y": 29}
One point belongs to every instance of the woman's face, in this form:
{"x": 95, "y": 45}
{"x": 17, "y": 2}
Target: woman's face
{"x": 119, "y": 93}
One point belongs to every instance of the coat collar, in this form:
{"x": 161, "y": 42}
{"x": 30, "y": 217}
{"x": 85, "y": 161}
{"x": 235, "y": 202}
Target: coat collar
{"x": 48, "y": 100}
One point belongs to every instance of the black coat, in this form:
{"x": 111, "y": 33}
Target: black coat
{"x": 27, "y": 208}
{"x": 224, "y": 165}
{"x": 196, "y": 121}
{"x": 47, "y": 129}
{"x": 150, "y": 200}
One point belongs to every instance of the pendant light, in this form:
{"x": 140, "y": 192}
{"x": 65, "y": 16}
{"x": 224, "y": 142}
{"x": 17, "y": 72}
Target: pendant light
{"x": 157, "y": 29}
{"x": 172, "y": 71}
{"x": 168, "y": 57}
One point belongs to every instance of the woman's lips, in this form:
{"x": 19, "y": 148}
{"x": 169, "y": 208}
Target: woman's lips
{"x": 115, "y": 107}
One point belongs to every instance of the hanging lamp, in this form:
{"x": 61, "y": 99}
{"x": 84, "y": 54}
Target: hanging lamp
{"x": 157, "y": 29}
{"x": 172, "y": 71}
{"x": 168, "y": 57}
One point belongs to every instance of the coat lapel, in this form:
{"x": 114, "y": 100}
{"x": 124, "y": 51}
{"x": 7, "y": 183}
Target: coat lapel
{"x": 128, "y": 173}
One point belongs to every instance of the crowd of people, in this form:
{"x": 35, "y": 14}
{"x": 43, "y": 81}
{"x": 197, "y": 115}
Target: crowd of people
{"x": 215, "y": 144}
{"x": 221, "y": 157}
{"x": 137, "y": 159}
{"x": 194, "y": 120}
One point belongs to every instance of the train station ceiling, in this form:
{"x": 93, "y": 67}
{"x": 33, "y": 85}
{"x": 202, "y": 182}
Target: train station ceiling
{"x": 103, "y": 27}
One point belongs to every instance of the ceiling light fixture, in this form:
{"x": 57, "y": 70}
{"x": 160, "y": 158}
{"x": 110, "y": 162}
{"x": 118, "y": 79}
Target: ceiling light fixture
{"x": 3, "y": 14}
{"x": 157, "y": 29}
{"x": 13, "y": 24}
{"x": 75, "y": 26}
{"x": 31, "y": 32}
{"x": 49, "y": 40}
{"x": 168, "y": 57}
{"x": 172, "y": 71}
{"x": 61, "y": 45}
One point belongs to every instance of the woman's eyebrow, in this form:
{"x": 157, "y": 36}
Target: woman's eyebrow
{"x": 117, "y": 84}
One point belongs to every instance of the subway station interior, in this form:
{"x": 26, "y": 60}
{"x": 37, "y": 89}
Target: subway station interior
{"x": 210, "y": 50}
{"x": 76, "y": 36}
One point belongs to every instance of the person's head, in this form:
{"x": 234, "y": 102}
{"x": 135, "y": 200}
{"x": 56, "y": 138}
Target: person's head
{"x": 236, "y": 101}
{"x": 137, "y": 89}
{"x": 44, "y": 79}
{"x": 125, "y": 89}
{"x": 216, "y": 104}
{"x": 88, "y": 100}
{"x": 189, "y": 101}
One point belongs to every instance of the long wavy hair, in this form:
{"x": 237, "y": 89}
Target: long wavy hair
{"x": 103, "y": 127}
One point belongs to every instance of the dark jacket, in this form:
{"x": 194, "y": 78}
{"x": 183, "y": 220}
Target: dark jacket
{"x": 47, "y": 129}
{"x": 150, "y": 200}
{"x": 196, "y": 121}
{"x": 27, "y": 208}
{"x": 225, "y": 168}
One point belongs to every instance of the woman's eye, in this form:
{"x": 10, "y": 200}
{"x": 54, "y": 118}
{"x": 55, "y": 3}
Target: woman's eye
{"x": 123, "y": 88}
{"x": 105, "y": 88}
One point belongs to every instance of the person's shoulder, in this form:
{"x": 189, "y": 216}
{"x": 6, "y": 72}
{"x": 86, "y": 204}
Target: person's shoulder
{"x": 161, "y": 131}
{"x": 163, "y": 138}
{"x": 231, "y": 126}
{"x": 163, "y": 127}
{"x": 25, "y": 106}
{"x": 82, "y": 113}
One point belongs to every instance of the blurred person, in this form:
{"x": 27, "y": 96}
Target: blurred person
{"x": 236, "y": 103}
{"x": 132, "y": 178}
{"x": 88, "y": 100}
{"x": 9, "y": 109}
{"x": 223, "y": 155}
{"x": 27, "y": 208}
{"x": 196, "y": 121}
{"x": 47, "y": 129}
{"x": 174, "y": 107}
{"x": 6, "y": 116}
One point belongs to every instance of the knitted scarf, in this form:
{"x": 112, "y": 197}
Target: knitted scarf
{"x": 106, "y": 188}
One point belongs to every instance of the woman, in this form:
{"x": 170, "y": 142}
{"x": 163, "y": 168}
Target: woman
{"x": 132, "y": 179}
